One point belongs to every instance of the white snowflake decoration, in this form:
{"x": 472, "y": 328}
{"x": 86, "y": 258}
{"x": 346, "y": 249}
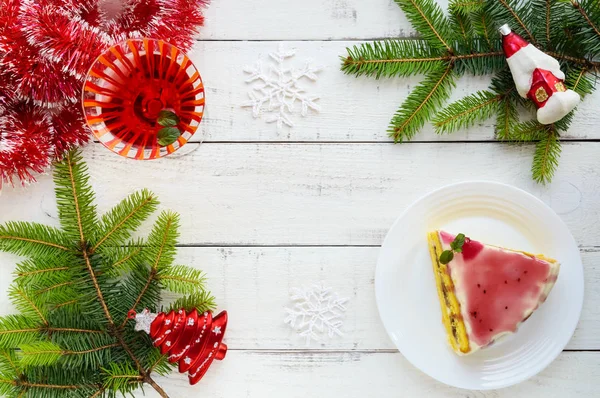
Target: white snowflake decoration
{"x": 316, "y": 311}
{"x": 276, "y": 89}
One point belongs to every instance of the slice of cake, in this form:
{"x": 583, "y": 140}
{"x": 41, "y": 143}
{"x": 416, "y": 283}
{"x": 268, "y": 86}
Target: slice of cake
{"x": 486, "y": 291}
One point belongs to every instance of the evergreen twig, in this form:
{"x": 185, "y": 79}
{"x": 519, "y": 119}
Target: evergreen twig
{"x": 76, "y": 286}
{"x": 547, "y": 153}
{"x": 467, "y": 42}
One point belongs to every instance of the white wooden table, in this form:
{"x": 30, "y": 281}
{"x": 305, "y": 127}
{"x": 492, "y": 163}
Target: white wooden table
{"x": 266, "y": 210}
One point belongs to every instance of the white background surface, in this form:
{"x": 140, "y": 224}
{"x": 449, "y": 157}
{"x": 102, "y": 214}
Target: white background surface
{"x": 265, "y": 210}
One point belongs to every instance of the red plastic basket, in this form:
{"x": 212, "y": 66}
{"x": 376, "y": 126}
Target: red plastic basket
{"x": 126, "y": 88}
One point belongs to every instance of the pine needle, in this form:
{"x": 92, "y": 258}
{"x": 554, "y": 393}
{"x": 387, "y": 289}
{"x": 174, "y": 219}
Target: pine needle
{"x": 530, "y": 131}
{"x": 578, "y": 80}
{"x": 545, "y": 159}
{"x": 429, "y": 20}
{"x": 76, "y": 283}
{"x": 32, "y": 239}
{"x": 75, "y": 198}
{"x": 467, "y": 42}
{"x": 182, "y": 279}
{"x": 390, "y": 58}
{"x": 466, "y": 112}
{"x": 421, "y": 103}
{"x": 466, "y": 7}
{"x": 126, "y": 217}
{"x": 203, "y": 301}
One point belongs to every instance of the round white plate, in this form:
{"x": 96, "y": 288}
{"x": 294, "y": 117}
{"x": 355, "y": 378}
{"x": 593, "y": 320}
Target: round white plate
{"x": 408, "y": 302}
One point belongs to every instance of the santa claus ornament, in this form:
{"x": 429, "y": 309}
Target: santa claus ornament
{"x": 192, "y": 339}
{"x": 538, "y": 77}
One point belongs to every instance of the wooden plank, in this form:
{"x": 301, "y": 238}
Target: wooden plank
{"x": 317, "y": 194}
{"x": 253, "y": 285}
{"x": 352, "y": 109}
{"x": 306, "y": 20}
{"x": 350, "y": 374}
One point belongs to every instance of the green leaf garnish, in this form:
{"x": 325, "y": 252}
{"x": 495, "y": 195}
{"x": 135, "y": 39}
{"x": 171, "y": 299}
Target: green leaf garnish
{"x": 167, "y": 118}
{"x": 446, "y": 256}
{"x": 455, "y": 247}
{"x": 168, "y": 135}
{"x": 458, "y": 243}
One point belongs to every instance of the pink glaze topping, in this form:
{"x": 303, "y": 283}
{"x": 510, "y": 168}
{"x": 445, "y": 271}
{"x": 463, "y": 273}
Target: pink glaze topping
{"x": 497, "y": 288}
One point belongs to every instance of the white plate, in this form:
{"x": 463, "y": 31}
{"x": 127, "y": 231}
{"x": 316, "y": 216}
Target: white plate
{"x": 408, "y": 301}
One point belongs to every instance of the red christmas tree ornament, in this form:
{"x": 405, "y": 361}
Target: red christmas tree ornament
{"x": 192, "y": 339}
{"x": 538, "y": 77}
{"x": 46, "y": 49}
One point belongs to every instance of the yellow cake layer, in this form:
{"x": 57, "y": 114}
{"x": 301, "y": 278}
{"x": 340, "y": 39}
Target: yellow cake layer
{"x": 451, "y": 315}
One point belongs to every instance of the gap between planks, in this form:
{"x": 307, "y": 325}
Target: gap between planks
{"x": 310, "y": 40}
{"x": 586, "y": 249}
{"x": 564, "y": 140}
{"x": 310, "y": 351}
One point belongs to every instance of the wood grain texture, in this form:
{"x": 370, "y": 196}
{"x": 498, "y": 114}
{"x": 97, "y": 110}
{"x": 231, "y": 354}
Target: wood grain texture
{"x": 267, "y": 358}
{"x": 254, "y": 285}
{"x": 358, "y": 375}
{"x": 318, "y": 194}
{"x": 305, "y": 20}
{"x": 352, "y": 109}
{"x": 320, "y": 198}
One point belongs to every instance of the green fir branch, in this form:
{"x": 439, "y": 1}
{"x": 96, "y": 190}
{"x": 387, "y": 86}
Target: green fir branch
{"x": 39, "y": 271}
{"x": 466, "y": 7}
{"x": 158, "y": 363}
{"x": 421, "y": 103}
{"x": 429, "y": 20}
{"x": 588, "y": 21}
{"x": 27, "y": 303}
{"x": 127, "y": 216}
{"x": 9, "y": 363}
{"x": 182, "y": 279}
{"x": 549, "y": 22}
{"x": 122, "y": 377}
{"x": 546, "y": 156}
{"x": 516, "y": 13}
{"x": 121, "y": 260}
{"x": 579, "y": 80}
{"x": 506, "y": 118}
{"x": 466, "y": 112}
{"x": 467, "y": 42}
{"x": 50, "y": 382}
{"x": 389, "y": 58}
{"x": 76, "y": 282}
{"x": 530, "y": 131}
{"x": 81, "y": 354}
{"x": 42, "y": 353}
{"x": 32, "y": 239}
{"x": 482, "y": 27}
{"x": 18, "y": 329}
{"x": 159, "y": 254}
{"x": 202, "y": 301}
{"x": 161, "y": 250}
{"x": 75, "y": 198}
{"x": 144, "y": 292}
{"x": 461, "y": 22}
{"x": 472, "y": 56}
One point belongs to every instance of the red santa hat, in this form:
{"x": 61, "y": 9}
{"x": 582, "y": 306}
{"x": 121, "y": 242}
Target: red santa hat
{"x": 538, "y": 77}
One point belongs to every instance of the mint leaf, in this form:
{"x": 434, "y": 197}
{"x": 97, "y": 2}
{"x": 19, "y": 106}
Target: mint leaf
{"x": 167, "y": 118}
{"x": 168, "y": 135}
{"x": 458, "y": 243}
{"x": 446, "y": 256}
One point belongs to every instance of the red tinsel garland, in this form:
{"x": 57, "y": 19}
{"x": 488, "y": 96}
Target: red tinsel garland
{"x": 46, "y": 48}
